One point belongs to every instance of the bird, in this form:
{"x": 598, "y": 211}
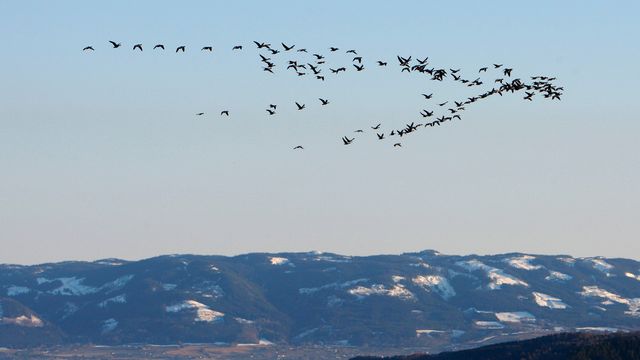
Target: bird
{"x": 302, "y": 50}
{"x": 273, "y": 106}
{"x": 114, "y": 44}
{"x": 332, "y": 49}
{"x": 324, "y": 101}
{"x": 347, "y": 141}
{"x": 376, "y": 127}
{"x": 159, "y": 46}
{"x": 200, "y": 114}
{"x": 482, "y": 69}
{"x": 359, "y": 131}
{"x": 298, "y": 147}
{"x": 443, "y": 104}
{"x": 382, "y": 63}
{"x": 237, "y": 47}
{"x": 208, "y": 48}
{"x": 358, "y": 68}
{"x": 271, "y": 112}
{"x": 287, "y": 48}
{"x": 261, "y": 45}
{"x": 180, "y": 48}
{"x": 224, "y": 112}
{"x": 318, "y": 56}
{"x": 137, "y": 46}
{"x": 397, "y": 145}
{"x": 320, "y": 77}
{"x": 88, "y": 48}
{"x": 352, "y": 52}
{"x": 358, "y": 59}
{"x": 495, "y": 66}
{"x": 380, "y": 136}
{"x": 300, "y": 107}
{"x": 507, "y": 71}
{"x": 427, "y": 96}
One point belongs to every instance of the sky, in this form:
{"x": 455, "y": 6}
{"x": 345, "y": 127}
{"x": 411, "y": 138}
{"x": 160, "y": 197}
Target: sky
{"x": 101, "y": 154}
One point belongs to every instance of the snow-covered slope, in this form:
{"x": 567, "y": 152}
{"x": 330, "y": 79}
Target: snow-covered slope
{"x": 410, "y": 299}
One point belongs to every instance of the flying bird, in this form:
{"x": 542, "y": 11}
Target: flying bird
{"x": 300, "y": 107}
{"x": 298, "y": 147}
{"x": 114, "y": 44}
{"x": 397, "y": 145}
{"x": 159, "y": 46}
{"x": 208, "y": 48}
{"x": 380, "y": 136}
{"x": 347, "y": 141}
{"x": 224, "y": 112}
{"x": 382, "y": 63}
{"x": 237, "y": 47}
{"x": 137, "y": 46}
{"x": 428, "y": 96}
{"x": 88, "y": 48}
{"x": 180, "y": 48}
{"x": 376, "y": 127}
{"x": 271, "y": 112}
{"x": 200, "y": 114}
{"x": 333, "y": 49}
{"x": 287, "y": 48}
{"x": 323, "y": 101}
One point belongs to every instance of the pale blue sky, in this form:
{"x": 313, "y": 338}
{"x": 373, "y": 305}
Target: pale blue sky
{"x": 101, "y": 154}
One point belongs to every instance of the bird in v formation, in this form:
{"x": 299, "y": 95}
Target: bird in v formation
{"x": 540, "y": 85}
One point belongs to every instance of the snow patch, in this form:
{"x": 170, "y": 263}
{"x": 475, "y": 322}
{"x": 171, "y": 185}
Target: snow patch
{"x": 488, "y": 325}
{"x": 23, "y": 320}
{"x": 397, "y": 290}
{"x": 497, "y": 276}
{"x": 523, "y": 262}
{"x": 515, "y": 317}
{"x": 334, "y": 285}
{"x": 610, "y": 298}
{"x": 630, "y": 275}
{"x": 120, "y": 299}
{"x": 558, "y": 276}
{"x": 549, "y": 301}
{"x": 601, "y": 265}
{"x": 274, "y": 260}
{"x": 71, "y": 286}
{"x": 203, "y": 312}
{"x": 597, "y": 329}
{"x": 169, "y": 287}
{"x": 438, "y": 283}
{"x": 109, "y": 325}
{"x": 397, "y": 278}
{"x": 14, "y": 290}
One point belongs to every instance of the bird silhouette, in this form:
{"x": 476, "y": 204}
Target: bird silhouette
{"x": 428, "y": 96}
{"x": 237, "y": 47}
{"x": 358, "y": 68}
{"x": 397, "y": 145}
{"x": 271, "y": 112}
{"x": 332, "y": 49}
{"x": 180, "y": 48}
{"x": 208, "y": 48}
{"x": 298, "y": 147}
{"x": 483, "y": 69}
{"x": 114, "y": 44}
{"x": 224, "y": 112}
{"x": 323, "y": 101}
{"x": 287, "y": 48}
{"x": 88, "y": 48}
{"x": 137, "y": 46}
{"x": 300, "y": 107}
{"x": 380, "y": 136}
{"x": 382, "y": 63}
{"x": 376, "y": 127}
{"x": 273, "y": 106}
{"x": 347, "y": 141}
{"x": 200, "y": 114}
{"x": 352, "y": 52}
{"x": 158, "y": 46}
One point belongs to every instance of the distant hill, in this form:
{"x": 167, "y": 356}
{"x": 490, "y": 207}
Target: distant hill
{"x": 553, "y": 347}
{"x": 424, "y": 300}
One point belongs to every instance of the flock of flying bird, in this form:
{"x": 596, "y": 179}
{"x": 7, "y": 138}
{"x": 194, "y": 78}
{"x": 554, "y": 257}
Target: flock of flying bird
{"x": 539, "y": 85}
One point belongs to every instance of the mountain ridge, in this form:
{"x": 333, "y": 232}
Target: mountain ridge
{"x": 412, "y": 299}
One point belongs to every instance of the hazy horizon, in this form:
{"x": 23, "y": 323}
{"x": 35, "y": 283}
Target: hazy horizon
{"x": 103, "y": 156}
